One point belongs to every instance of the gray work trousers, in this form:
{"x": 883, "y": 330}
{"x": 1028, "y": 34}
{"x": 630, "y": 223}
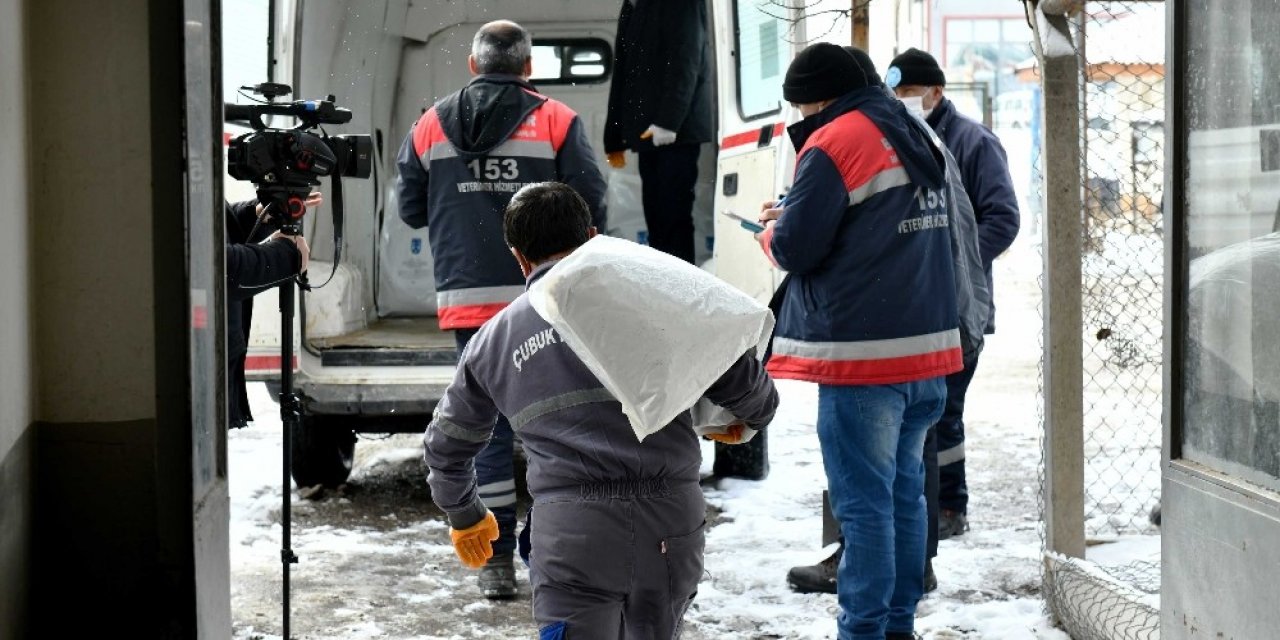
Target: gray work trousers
{"x": 616, "y": 561}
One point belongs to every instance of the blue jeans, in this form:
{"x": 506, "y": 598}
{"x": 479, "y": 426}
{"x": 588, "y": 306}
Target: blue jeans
{"x": 872, "y": 440}
{"x": 496, "y": 472}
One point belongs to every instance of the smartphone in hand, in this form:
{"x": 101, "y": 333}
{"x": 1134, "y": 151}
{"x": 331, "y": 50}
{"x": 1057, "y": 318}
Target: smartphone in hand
{"x": 750, "y": 225}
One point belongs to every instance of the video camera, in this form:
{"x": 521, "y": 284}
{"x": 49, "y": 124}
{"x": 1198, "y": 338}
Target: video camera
{"x": 284, "y": 164}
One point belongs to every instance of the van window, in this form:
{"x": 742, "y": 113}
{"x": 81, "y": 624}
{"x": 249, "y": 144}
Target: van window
{"x": 571, "y": 61}
{"x": 760, "y": 46}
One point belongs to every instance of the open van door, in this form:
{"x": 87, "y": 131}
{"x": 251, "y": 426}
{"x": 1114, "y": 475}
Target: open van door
{"x": 754, "y": 159}
{"x": 753, "y": 164}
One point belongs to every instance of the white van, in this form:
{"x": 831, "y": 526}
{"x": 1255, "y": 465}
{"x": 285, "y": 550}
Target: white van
{"x": 371, "y": 357}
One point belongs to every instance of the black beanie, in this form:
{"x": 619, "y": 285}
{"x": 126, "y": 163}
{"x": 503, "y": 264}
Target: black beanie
{"x": 821, "y": 72}
{"x": 914, "y": 67}
{"x": 864, "y": 62}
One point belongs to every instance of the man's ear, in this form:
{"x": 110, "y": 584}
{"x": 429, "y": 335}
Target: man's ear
{"x": 592, "y": 232}
{"x": 528, "y": 68}
{"x": 526, "y": 267}
{"x": 471, "y": 65}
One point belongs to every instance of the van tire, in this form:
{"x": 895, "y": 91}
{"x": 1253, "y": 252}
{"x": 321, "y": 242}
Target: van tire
{"x": 749, "y": 461}
{"x": 322, "y": 451}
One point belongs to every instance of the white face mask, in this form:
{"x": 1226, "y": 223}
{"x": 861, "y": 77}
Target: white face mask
{"x": 915, "y": 104}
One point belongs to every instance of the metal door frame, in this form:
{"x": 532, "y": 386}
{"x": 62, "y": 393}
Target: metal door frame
{"x": 1213, "y": 580}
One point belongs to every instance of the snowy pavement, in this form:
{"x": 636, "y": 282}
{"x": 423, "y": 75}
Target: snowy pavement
{"x": 376, "y": 562}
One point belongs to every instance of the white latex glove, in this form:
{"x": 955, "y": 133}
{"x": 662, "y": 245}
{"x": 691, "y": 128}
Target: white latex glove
{"x": 660, "y": 136}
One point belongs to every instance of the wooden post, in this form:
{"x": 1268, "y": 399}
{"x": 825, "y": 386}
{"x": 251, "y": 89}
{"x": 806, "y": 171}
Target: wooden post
{"x": 1063, "y": 327}
{"x": 861, "y": 24}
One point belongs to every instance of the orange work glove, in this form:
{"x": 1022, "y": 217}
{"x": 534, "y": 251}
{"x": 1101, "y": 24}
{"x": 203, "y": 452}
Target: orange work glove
{"x": 617, "y": 159}
{"x": 475, "y": 543}
{"x": 735, "y": 433}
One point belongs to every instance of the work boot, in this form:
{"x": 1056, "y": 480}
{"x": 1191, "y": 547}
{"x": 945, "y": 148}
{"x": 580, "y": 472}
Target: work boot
{"x": 951, "y": 523}
{"x": 930, "y": 580}
{"x": 498, "y": 577}
{"x": 816, "y": 578}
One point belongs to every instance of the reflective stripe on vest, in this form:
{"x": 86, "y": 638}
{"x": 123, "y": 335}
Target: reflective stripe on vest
{"x": 470, "y": 308}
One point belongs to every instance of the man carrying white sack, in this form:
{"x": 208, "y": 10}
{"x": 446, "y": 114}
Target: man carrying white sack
{"x": 617, "y": 522}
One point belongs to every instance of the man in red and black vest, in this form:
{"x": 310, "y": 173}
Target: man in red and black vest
{"x": 871, "y": 316}
{"x": 459, "y": 167}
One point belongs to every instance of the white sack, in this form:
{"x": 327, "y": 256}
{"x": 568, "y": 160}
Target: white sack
{"x": 406, "y": 274}
{"x": 654, "y": 329}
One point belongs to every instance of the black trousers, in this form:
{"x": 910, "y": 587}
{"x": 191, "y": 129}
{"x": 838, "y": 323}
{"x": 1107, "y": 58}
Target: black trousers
{"x": 953, "y": 489}
{"x": 931, "y": 490}
{"x": 668, "y": 175}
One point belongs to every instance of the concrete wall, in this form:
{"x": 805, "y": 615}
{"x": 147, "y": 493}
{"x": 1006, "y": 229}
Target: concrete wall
{"x": 92, "y": 303}
{"x": 113, "y": 505}
{"x": 17, "y": 437}
{"x": 93, "y": 215}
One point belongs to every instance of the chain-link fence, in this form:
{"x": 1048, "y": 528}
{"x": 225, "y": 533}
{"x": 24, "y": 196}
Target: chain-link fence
{"x": 1122, "y": 109}
{"x": 1120, "y": 48}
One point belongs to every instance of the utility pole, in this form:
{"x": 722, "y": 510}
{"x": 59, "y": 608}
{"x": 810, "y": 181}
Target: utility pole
{"x": 861, "y": 24}
{"x": 1057, "y": 51}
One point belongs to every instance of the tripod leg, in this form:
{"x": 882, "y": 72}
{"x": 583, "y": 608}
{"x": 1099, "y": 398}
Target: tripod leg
{"x": 290, "y": 415}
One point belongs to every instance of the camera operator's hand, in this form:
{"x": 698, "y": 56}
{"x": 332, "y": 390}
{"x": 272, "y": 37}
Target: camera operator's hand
{"x": 314, "y": 199}
{"x": 299, "y": 242}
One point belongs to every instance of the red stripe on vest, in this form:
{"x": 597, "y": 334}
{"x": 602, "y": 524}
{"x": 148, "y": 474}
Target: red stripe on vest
{"x": 864, "y": 372}
{"x": 427, "y": 132}
{"x": 856, "y": 146}
{"x": 559, "y": 117}
{"x": 469, "y": 316}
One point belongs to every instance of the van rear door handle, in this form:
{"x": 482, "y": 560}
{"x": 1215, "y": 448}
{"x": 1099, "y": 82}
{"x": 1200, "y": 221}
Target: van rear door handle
{"x": 730, "y": 185}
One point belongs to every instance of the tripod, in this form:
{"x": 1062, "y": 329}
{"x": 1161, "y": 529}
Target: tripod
{"x": 290, "y": 417}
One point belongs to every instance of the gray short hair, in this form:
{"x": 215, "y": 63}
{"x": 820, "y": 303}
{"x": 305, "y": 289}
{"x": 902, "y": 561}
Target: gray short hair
{"x": 501, "y": 46}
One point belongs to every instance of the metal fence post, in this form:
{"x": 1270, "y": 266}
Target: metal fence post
{"x": 1063, "y": 244}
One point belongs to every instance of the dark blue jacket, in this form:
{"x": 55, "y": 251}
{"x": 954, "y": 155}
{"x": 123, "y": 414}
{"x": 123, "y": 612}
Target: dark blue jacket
{"x": 984, "y": 170}
{"x": 866, "y": 239}
{"x": 459, "y": 167}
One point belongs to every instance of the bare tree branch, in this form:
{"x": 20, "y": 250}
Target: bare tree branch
{"x": 784, "y": 10}
{"x": 805, "y": 5}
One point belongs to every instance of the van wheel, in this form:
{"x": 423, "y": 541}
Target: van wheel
{"x": 322, "y": 451}
{"x": 749, "y": 461}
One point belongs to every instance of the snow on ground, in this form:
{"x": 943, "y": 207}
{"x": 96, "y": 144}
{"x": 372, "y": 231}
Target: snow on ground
{"x": 376, "y": 561}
